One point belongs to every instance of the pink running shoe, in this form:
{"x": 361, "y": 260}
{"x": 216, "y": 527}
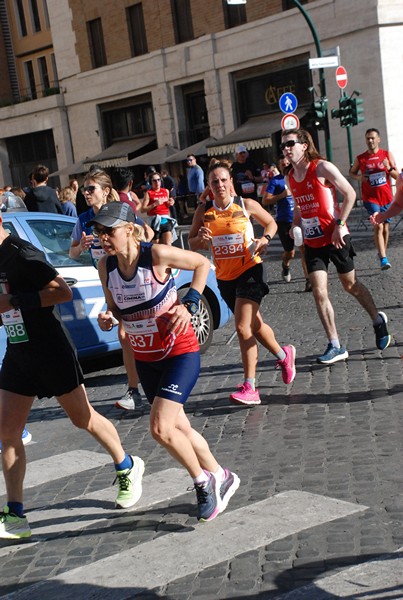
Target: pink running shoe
{"x": 288, "y": 364}
{"x": 245, "y": 395}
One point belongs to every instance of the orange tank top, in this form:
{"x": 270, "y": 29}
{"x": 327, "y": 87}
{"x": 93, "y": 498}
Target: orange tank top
{"x": 232, "y": 239}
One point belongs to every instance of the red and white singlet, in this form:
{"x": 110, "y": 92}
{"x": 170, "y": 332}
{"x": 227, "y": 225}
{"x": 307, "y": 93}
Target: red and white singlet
{"x": 318, "y": 206}
{"x": 161, "y": 209}
{"x": 144, "y": 302}
{"x": 375, "y": 185}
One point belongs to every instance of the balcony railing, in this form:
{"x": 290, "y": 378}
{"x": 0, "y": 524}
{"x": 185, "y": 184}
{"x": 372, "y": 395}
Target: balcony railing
{"x": 32, "y": 93}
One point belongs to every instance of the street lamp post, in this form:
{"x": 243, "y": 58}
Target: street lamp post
{"x": 322, "y": 82}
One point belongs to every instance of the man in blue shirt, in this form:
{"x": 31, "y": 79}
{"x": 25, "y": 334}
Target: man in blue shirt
{"x": 195, "y": 176}
{"x": 277, "y": 192}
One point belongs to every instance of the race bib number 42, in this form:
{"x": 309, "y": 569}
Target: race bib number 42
{"x": 230, "y": 245}
{"x": 15, "y": 326}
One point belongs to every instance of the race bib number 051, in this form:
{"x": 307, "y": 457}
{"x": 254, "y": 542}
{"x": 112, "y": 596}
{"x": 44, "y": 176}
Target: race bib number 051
{"x": 311, "y": 228}
{"x": 230, "y": 245}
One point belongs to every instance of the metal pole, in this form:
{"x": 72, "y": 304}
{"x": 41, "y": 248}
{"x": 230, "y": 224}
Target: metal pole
{"x": 322, "y": 82}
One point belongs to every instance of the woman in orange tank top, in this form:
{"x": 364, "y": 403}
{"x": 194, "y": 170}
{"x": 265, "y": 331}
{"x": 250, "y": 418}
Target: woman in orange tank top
{"x": 224, "y": 226}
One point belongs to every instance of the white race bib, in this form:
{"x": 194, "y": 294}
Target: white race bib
{"x": 311, "y": 228}
{"x": 230, "y": 245}
{"x": 15, "y": 326}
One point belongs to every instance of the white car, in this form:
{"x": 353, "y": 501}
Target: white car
{"x": 52, "y": 234}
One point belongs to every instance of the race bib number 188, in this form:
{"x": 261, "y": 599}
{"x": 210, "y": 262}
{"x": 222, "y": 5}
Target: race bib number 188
{"x": 15, "y": 326}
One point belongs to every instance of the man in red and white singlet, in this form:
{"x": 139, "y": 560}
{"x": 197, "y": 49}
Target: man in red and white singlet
{"x": 373, "y": 169}
{"x": 313, "y": 182}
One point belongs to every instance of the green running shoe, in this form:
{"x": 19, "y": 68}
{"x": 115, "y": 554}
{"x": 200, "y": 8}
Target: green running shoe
{"x": 129, "y": 483}
{"x": 13, "y": 527}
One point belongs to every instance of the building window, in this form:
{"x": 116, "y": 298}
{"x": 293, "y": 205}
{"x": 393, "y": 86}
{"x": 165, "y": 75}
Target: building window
{"x": 234, "y": 14}
{"x": 96, "y": 41}
{"x": 22, "y": 26}
{"x": 34, "y": 13}
{"x": 137, "y": 32}
{"x": 128, "y": 121}
{"x": 182, "y": 16}
{"x": 54, "y": 70}
{"x": 289, "y": 4}
{"x": 43, "y": 74}
{"x": 46, "y": 13}
{"x": 30, "y": 80}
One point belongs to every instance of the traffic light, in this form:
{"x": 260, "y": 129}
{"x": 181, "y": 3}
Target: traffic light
{"x": 357, "y": 111}
{"x": 318, "y": 113}
{"x": 344, "y": 112}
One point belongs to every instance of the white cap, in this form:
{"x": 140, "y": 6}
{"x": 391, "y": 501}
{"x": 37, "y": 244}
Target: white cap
{"x": 240, "y": 148}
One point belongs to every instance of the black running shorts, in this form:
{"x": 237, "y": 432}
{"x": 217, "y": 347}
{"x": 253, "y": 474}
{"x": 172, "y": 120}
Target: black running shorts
{"x": 317, "y": 259}
{"x": 249, "y": 286}
{"x": 40, "y": 370}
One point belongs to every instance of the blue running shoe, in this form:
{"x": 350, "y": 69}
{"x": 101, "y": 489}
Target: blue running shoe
{"x": 382, "y": 335}
{"x": 385, "y": 264}
{"x": 332, "y": 355}
{"x": 26, "y": 437}
{"x": 208, "y": 499}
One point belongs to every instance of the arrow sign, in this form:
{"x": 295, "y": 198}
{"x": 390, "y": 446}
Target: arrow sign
{"x": 341, "y": 77}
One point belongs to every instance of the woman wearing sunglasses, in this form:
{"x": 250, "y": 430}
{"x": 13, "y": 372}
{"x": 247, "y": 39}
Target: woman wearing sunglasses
{"x": 156, "y": 203}
{"x": 97, "y": 192}
{"x": 163, "y": 341}
{"x": 224, "y": 224}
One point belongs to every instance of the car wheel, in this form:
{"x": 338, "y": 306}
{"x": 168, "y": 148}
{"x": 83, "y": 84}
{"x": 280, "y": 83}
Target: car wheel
{"x": 202, "y": 321}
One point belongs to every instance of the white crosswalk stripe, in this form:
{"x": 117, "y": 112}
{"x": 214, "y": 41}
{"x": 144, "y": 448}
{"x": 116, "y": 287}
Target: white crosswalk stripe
{"x": 58, "y": 466}
{"x": 231, "y": 534}
{"x": 381, "y": 578}
{"x": 88, "y": 509}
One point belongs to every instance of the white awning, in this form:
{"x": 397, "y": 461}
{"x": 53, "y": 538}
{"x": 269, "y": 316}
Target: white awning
{"x": 118, "y": 153}
{"x": 254, "y": 133}
{"x": 155, "y": 157}
{"x": 196, "y": 149}
{"x": 74, "y": 169}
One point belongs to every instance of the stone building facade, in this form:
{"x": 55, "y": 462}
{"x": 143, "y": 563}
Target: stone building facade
{"x": 133, "y": 76}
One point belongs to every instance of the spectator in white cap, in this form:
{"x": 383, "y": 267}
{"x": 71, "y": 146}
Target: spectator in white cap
{"x": 245, "y": 173}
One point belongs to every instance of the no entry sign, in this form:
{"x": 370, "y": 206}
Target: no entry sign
{"x": 341, "y": 77}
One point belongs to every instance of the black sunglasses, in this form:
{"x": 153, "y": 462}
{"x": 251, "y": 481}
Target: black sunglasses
{"x": 98, "y": 231}
{"x": 289, "y": 144}
{"x": 89, "y": 188}
{"x": 156, "y": 179}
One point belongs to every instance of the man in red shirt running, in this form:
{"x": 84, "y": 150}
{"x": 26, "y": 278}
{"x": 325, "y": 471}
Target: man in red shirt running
{"x": 313, "y": 182}
{"x": 376, "y": 166}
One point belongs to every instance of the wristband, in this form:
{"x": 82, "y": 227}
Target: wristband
{"x": 391, "y": 169}
{"x": 191, "y": 301}
{"x": 268, "y": 237}
{"x": 26, "y": 300}
{"x": 340, "y": 222}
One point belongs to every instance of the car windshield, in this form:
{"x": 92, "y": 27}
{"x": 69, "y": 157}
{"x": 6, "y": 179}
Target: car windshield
{"x": 55, "y": 237}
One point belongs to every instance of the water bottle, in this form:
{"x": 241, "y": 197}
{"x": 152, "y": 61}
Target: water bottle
{"x": 298, "y": 239}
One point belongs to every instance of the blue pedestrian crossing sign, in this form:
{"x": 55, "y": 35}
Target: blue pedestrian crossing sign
{"x": 288, "y": 103}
